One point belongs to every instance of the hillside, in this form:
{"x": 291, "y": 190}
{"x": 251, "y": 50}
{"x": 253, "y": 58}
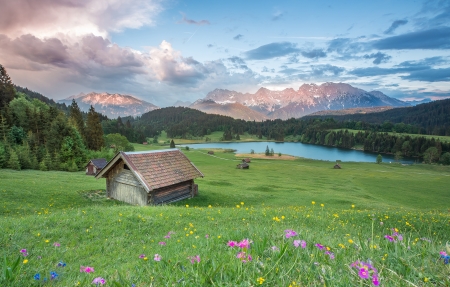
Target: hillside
{"x": 234, "y": 110}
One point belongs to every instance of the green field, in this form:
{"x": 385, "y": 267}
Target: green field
{"x": 41, "y": 208}
{"x": 213, "y": 137}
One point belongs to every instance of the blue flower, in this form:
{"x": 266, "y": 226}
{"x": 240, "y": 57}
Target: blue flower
{"x": 61, "y": 264}
{"x": 37, "y": 276}
{"x": 53, "y": 275}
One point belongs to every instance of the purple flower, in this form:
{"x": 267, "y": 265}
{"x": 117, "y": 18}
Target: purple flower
{"x": 289, "y": 233}
{"x": 366, "y": 270}
{"x": 232, "y": 243}
{"x": 245, "y": 243}
{"x": 375, "y": 280}
{"x": 244, "y": 257}
{"x": 53, "y": 275}
{"x": 157, "y": 257}
{"x": 99, "y": 280}
{"x": 86, "y": 269}
{"x": 56, "y": 244}
{"x": 206, "y": 236}
{"x": 363, "y": 273}
{"x": 320, "y": 246}
{"x": 61, "y": 264}
{"x": 194, "y": 259}
{"x": 142, "y": 256}
{"x": 24, "y": 252}
{"x": 390, "y": 238}
{"x": 162, "y": 243}
{"x": 331, "y": 254}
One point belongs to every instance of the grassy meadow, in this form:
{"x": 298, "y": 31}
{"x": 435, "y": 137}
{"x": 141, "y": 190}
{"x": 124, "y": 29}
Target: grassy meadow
{"x": 307, "y": 225}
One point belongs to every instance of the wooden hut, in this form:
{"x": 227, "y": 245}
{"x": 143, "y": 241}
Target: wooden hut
{"x": 150, "y": 177}
{"x": 247, "y": 160}
{"x": 95, "y": 165}
{"x": 243, "y": 165}
{"x": 210, "y": 152}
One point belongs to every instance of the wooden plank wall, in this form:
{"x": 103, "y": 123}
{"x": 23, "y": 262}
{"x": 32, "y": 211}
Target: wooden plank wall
{"x": 172, "y": 193}
{"x": 122, "y": 185}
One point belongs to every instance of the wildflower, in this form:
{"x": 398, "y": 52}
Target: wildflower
{"x": 375, "y": 281}
{"x": 37, "y": 276}
{"x": 187, "y": 205}
{"x": 86, "y": 269}
{"x": 24, "y": 252}
{"x": 61, "y": 264}
{"x": 56, "y": 244}
{"x": 353, "y": 206}
{"x": 157, "y": 257}
{"x": 395, "y": 236}
{"x": 363, "y": 273}
{"x": 162, "y": 243}
{"x": 232, "y": 243}
{"x": 245, "y": 243}
{"x": 320, "y": 246}
{"x": 99, "y": 280}
{"x": 25, "y": 261}
{"x": 194, "y": 259}
{"x": 330, "y": 254}
{"x": 260, "y": 280}
{"x": 289, "y": 233}
{"x": 206, "y": 236}
{"x": 313, "y": 202}
{"x": 274, "y": 248}
{"x": 242, "y": 203}
{"x": 298, "y": 243}
{"x": 141, "y": 256}
{"x": 47, "y": 241}
{"x": 322, "y": 205}
{"x": 53, "y": 275}
{"x": 350, "y": 241}
{"x": 366, "y": 270}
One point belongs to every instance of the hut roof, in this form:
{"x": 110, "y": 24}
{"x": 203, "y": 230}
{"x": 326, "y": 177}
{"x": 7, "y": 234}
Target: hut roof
{"x": 156, "y": 169}
{"x": 98, "y": 162}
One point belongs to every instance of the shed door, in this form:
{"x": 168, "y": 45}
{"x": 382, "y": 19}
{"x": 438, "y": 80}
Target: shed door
{"x": 172, "y": 193}
{"x": 126, "y": 188}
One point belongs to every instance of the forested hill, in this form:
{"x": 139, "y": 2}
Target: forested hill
{"x": 433, "y": 117}
{"x": 35, "y": 95}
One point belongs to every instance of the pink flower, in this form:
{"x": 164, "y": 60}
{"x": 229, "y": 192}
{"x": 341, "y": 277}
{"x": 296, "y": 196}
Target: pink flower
{"x": 244, "y": 243}
{"x": 141, "y": 256}
{"x": 232, "y": 243}
{"x": 194, "y": 259}
{"x": 157, "y": 257}
{"x": 24, "y": 252}
{"x": 375, "y": 281}
{"x": 390, "y": 238}
{"x": 363, "y": 273}
{"x": 56, "y": 244}
{"x": 320, "y": 246}
{"x": 162, "y": 243}
{"x": 289, "y": 233}
{"x": 86, "y": 269}
{"x": 244, "y": 257}
{"x": 99, "y": 280}
{"x": 441, "y": 253}
{"x": 296, "y": 243}
{"x": 331, "y": 254}
{"x": 206, "y": 236}
{"x": 301, "y": 243}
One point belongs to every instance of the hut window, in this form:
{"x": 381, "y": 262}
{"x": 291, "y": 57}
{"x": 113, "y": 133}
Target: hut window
{"x": 126, "y": 167}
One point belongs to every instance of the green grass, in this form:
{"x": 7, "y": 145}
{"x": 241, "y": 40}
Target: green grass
{"x": 70, "y": 208}
{"x": 214, "y": 137}
{"x": 441, "y": 138}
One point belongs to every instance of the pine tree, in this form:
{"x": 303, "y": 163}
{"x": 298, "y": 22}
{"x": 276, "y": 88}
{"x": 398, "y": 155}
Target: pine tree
{"x": 94, "y": 131}
{"x": 267, "y": 151}
{"x": 7, "y": 91}
{"x": 13, "y": 162}
{"x": 3, "y": 129}
{"x": 77, "y": 118}
{"x": 43, "y": 166}
{"x": 172, "y": 144}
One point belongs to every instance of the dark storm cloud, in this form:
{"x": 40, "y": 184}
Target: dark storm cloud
{"x": 395, "y": 25}
{"x": 378, "y": 58}
{"x": 238, "y": 37}
{"x": 436, "y": 38}
{"x": 272, "y": 50}
{"x": 314, "y": 54}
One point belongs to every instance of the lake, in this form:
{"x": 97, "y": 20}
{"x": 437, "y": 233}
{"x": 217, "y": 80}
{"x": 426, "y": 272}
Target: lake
{"x": 302, "y": 150}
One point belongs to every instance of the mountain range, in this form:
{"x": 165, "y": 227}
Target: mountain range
{"x": 290, "y": 103}
{"x": 111, "y": 105}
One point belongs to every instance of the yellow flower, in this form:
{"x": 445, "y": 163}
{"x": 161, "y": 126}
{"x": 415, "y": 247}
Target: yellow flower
{"x": 260, "y": 280}
{"x": 341, "y": 245}
{"x": 191, "y": 232}
{"x": 353, "y": 206}
{"x": 425, "y": 279}
{"x": 25, "y": 261}
{"x": 242, "y": 203}
{"x": 322, "y": 204}
{"x": 238, "y": 206}
{"x": 145, "y": 258}
{"x": 350, "y": 241}
{"x": 47, "y": 241}
{"x": 313, "y": 202}
{"x": 187, "y": 205}
{"x": 38, "y": 234}
{"x": 209, "y": 206}
{"x": 282, "y": 217}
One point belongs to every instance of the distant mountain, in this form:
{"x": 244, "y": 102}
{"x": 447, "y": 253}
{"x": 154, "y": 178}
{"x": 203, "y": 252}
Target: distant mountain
{"x": 415, "y": 103}
{"x": 309, "y": 98}
{"x": 111, "y": 105}
{"x": 182, "y": 104}
{"x": 234, "y": 110}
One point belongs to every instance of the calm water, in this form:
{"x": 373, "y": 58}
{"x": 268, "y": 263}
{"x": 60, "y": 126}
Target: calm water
{"x": 302, "y": 150}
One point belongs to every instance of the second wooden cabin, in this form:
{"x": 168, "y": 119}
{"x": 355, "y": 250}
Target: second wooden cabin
{"x": 150, "y": 177}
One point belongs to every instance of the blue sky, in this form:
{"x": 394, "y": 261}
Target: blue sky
{"x": 164, "y": 51}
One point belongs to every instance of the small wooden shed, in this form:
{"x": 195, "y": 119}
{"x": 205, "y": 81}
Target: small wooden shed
{"x": 95, "y": 165}
{"x": 243, "y": 165}
{"x": 150, "y": 177}
{"x": 210, "y": 152}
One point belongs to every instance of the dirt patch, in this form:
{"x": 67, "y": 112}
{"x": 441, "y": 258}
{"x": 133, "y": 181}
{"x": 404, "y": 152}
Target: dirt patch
{"x": 94, "y": 195}
{"x": 263, "y": 156}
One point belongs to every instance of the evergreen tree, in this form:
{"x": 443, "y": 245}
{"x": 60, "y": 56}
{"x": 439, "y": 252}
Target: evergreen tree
{"x": 94, "y": 133}
{"x": 3, "y": 129}
{"x": 43, "y": 166}
{"x": 172, "y": 144}
{"x": 272, "y": 152}
{"x": 238, "y": 137}
{"x": 7, "y": 91}
{"x": 77, "y": 118}
{"x": 3, "y": 155}
{"x": 267, "y": 151}
{"x": 13, "y": 162}
{"x": 379, "y": 158}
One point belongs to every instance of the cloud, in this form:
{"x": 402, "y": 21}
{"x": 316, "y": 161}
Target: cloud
{"x": 277, "y": 16}
{"x": 436, "y": 38}
{"x": 326, "y": 70}
{"x": 237, "y": 63}
{"x": 395, "y": 25}
{"x": 46, "y": 18}
{"x": 210, "y": 45}
{"x": 185, "y": 20}
{"x": 290, "y": 71}
{"x": 314, "y": 54}
{"x": 272, "y": 50}
{"x": 378, "y": 58}
{"x": 264, "y": 70}
{"x": 430, "y": 75}
{"x": 238, "y": 37}
{"x": 348, "y": 47}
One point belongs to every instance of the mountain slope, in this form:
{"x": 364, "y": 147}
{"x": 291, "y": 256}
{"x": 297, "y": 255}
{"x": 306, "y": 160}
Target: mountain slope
{"x": 111, "y": 105}
{"x": 234, "y": 110}
{"x": 309, "y": 98}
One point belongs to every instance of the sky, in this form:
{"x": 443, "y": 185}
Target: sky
{"x": 167, "y": 51}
